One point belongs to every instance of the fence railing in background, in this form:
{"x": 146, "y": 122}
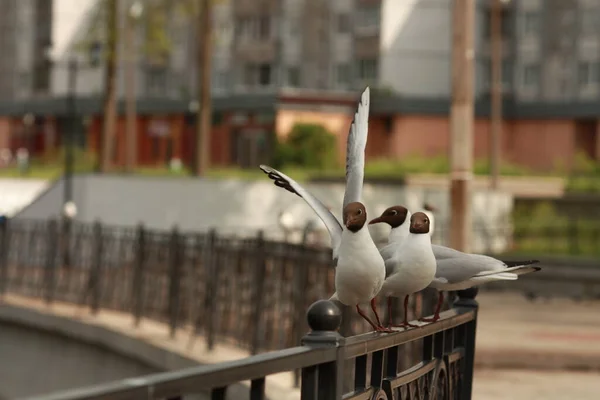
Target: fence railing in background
{"x": 250, "y": 292}
{"x": 361, "y": 367}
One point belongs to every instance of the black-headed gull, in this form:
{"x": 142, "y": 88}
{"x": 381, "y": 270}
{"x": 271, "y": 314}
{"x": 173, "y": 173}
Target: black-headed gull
{"x": 360, "y": 270}
{"x": 412, "y": 266}
{"x": 455, "y": 270}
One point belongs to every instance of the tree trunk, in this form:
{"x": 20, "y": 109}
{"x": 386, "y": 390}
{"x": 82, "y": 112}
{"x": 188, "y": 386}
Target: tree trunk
{"x": 110, "y": 89}
{"x": 203, "y": 123}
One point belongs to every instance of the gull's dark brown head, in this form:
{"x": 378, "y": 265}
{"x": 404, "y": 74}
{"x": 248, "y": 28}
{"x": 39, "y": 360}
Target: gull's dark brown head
{"x": 419, "y": 223}
{"x": 393, "y": 216}
{"x": 355, "y": 216}
{"x": 429, "y": 207}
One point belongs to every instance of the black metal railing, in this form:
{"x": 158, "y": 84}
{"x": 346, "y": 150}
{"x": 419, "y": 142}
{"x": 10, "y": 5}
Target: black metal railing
{"x": 368, "y": 365}
{"x": 249, "y": 292}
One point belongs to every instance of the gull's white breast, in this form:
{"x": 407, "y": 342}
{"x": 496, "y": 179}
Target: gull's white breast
{"x": 414, "y": 267}
{"x": 360, "y": 269}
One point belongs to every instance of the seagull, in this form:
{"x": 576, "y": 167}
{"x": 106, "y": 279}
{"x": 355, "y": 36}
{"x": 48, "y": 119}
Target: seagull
{"x": 412, "y": 266}
{"x": 455, "y": 270}
{"x": 360, "y": 270}
{"x": 428, "y": 209}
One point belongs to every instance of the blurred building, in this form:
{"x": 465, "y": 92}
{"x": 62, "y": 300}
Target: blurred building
{"x": 26, "y": 33}
{"x": 277, "y": 62}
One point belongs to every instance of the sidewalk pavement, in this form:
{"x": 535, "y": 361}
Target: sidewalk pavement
{"x": 554, "y": 334}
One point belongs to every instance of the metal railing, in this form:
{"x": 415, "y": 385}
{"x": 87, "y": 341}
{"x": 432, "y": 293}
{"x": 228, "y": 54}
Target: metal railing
{"x": 249, "y": 292}
{"x": 333, "y": 367}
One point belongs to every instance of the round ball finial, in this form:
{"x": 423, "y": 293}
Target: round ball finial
{"x": 324, "y": 315}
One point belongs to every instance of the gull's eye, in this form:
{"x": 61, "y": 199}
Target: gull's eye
{"x": 359, "y": 212}
{"x": 426, "y": 220}
{"x": 394, "y": 212}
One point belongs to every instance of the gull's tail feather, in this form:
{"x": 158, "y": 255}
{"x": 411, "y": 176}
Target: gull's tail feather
{"x": 499, "y": 276}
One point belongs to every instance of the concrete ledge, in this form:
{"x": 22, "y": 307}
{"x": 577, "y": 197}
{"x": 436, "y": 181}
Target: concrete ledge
{"x": 149, "y": 344}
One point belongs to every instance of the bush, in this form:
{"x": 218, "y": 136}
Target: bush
{"x": 308, "y": 146}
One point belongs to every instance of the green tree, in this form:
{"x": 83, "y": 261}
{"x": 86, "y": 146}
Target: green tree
{"x": 307, "y": 145}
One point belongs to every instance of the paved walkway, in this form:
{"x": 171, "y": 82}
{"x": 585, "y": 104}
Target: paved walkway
{"x": 512, "y": 333}
{"x": 554, "y": 334}
{"x": 535, "y": 385}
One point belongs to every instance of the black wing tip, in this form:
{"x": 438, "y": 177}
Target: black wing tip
{"x": 278, "y": 180}
{"x": 519, "y": 263}
{"x": 536, "y": 269}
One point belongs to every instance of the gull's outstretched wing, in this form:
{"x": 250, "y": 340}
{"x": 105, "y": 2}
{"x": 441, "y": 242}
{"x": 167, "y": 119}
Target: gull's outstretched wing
{"x": 355, "y": 150}
{"x": 330, "y": 221}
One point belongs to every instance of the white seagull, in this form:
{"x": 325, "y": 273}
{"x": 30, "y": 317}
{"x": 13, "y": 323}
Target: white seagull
{"x": 455, "y": 270}
{"x": 360, "y": 270}
{"x": 412, "y": 266}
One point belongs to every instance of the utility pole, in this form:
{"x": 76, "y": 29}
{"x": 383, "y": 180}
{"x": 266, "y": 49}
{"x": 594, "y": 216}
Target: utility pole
{"x": 461, "y": 123}
{"x": 496, "y": 92}
{"x": 203, "y": 121}
{"x": 110, "y": 86}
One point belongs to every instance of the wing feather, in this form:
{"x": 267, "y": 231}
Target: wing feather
{"x": 355, "y": 150}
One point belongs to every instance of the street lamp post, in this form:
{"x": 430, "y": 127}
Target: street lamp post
{"x": 70, "y": 134}
{"x": 135, "y": 12}
{"x": 68, "y": 204}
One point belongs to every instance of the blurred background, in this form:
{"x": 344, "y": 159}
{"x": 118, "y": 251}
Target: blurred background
{"x": 131, "y": 133}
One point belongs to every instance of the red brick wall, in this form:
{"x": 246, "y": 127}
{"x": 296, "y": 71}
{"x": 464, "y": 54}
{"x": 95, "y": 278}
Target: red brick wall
{"x": 539, "y": 144}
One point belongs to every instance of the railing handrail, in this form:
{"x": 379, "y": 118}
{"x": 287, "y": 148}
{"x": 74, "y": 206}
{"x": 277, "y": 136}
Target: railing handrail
{"x": 202, "y": 378}
{"x": 370, "y": 342}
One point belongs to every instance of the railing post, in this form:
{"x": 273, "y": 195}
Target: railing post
{"x": 51, "y": 252}
{"x": 3, "y": 256}
{"x": 174, "y": 281}
{"x": 138, "y": 276}
{"x": 259, "y": 284}
{"x": 466, "y": 299}
{"x": 96, "y": 271}
{"x": 210, "y": 263}
{"x": 324, "y": 381}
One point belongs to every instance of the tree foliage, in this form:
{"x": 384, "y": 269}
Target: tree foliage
{"x": 156, "y": 22}
{"x": 307, "y": 145}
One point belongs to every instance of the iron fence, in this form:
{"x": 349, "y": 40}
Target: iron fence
{"x": 249, "y": 292}
{"x": 368, "y": 365}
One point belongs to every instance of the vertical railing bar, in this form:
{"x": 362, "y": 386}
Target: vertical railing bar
{"x": 360, "y": 372}
{"x": 377, "y": 369}
{"x": 218, "y": 393}
{"x": 391, "y": 369}
{"x": 308, "y": 383}
{"x": 257, "y": 389}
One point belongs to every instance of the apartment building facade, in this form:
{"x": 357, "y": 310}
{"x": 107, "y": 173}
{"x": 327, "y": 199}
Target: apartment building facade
{"x": 283, "y": 48}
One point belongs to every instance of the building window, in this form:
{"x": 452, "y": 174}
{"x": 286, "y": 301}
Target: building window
{"x": 507, "y": 72}
{"x": 257, "y": 75}
{"x": 156, "y": 81}
{"x": 368, "y": 17}
{"x": 343, "y": 23}
{"x": 531, "y": 22}
{"x": 264, "y": 75}
{"x": 589, "y": 21}
{"x": 367, "y": 69}
{"x": 293, "y": 76}
{"x": 588, "y": 73}
{"x": 222, "y": 79}
{"x": 342, "y": 73}
{"x": 254, "y": 28}
{"x": 531, "y": 75}
{"x": 264, "y": 27}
